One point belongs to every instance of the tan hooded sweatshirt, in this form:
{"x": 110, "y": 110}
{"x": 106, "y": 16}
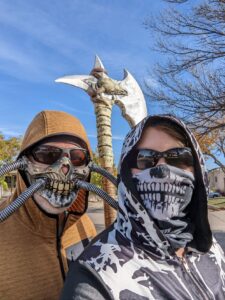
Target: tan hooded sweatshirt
{"x": 34, "y": 246}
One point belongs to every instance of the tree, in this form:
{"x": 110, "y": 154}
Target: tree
{"x": 191, "y": 80}
{"x": 96, "y": 178}
{"x": 8, "y": 150}
{"x": 211, "y": 144}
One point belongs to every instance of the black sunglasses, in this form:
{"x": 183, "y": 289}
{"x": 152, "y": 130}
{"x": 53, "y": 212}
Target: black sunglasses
{"x": 47, "y": 154}
{"x": 147, "y": 158}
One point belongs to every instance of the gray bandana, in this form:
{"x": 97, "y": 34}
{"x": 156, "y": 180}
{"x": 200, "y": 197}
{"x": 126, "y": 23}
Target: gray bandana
{"x": 166, "y": 192}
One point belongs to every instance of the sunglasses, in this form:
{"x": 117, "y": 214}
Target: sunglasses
{"x": 146, "y": 158}
{"x": 48, "y": 155}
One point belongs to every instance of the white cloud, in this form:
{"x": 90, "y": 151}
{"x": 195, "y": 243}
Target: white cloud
{"x": 41, "y": 25}
{"x": 20, "y": 64}
{"x": 68, "y": 32}
{"x": 114, "y": 137}
{"x": 46, "y": 38}
{"x": 9, "y": 132}
{"x": 91, "y": 135}
{"x": 150, "y": 81}
{"x": 34, "y": 46}
{"x": 118, "y": 137}
{"x": 62, "y": 105}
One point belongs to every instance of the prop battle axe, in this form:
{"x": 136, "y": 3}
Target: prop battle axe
{"x": 126, "y": 93}
{"x": 104, "y": 93}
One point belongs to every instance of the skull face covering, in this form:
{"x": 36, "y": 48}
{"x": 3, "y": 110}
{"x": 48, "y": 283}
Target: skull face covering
{"x": 60, "y": 188}
{"x": 166, "y": 192}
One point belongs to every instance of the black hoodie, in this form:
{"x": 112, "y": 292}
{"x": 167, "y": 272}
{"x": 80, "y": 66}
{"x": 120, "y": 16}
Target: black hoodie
{"x": 133, "y": 259}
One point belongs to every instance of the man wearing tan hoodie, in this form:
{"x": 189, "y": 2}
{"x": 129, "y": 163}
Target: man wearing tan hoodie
{"x": 51, "y": 228}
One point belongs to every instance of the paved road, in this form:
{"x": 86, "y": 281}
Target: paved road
{"x": 220, "y": 237}
{"x": 96, "y": 213}
{"x": 217, "y": 223}
{"x": 216, "y": 219}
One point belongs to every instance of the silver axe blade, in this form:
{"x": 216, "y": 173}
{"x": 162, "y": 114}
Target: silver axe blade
{"x": 132, "y": 103}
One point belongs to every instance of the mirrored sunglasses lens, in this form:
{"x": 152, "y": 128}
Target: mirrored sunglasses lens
{"x": 143, "y": 164}
{"x": 146, "y": 159}
{"x": 184, "y": 158}
{"x": 46, "y": 154}
{"x": 78, "y": 157}
{"x": 172, "y": 153}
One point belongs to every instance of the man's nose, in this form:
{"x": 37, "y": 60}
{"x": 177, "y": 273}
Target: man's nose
{"x": 161, "y": 161}
{"x": 65, "y": 168}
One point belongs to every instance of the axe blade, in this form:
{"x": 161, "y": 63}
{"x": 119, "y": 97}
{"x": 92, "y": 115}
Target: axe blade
{"x": 98, "y": 63}
{"x": 77, "y": 80}
{"x": 133, "y": 105}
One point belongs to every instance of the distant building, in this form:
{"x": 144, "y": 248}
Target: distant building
{"x": 10, "y": 179}
{"x": 217, "y": 180}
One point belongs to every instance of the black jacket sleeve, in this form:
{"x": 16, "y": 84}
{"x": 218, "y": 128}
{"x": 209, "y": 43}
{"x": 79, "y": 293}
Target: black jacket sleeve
{"x": 83, "y": 283}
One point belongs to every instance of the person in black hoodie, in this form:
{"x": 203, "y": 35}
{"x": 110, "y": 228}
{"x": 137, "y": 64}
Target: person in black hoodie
{"x": 161, "y": 245}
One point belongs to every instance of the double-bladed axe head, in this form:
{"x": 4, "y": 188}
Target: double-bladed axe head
{"x": 125, "y": 93}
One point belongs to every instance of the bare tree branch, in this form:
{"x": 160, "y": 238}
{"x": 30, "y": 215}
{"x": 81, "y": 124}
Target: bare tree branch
{"x": 216, "y": 161}
{"x": 191, "y": 81}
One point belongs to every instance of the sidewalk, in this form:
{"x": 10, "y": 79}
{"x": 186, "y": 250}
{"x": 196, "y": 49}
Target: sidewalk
{"x": 217, "y": 220}
{"x": 217, "y": 223}
{"x": 5, "y": 195}
{"x": 96, "y": 213}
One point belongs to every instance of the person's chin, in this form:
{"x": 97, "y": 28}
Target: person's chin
{"x": 47, "y": 207}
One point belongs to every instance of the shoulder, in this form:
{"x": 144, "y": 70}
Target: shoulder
{"x": 84, "y": 283}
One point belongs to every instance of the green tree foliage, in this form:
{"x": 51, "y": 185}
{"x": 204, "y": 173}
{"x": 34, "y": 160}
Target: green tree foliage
{"x": 9, "y": 148}
{"x": 96, "y": 178}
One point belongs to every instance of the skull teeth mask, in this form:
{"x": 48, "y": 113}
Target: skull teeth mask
{"x": 59, "y": 190}
{"x": 59, "y": 187}
{"x": 164, "y": 190}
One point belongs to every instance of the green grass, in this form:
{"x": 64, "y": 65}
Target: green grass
{"x": 218, "y": 202}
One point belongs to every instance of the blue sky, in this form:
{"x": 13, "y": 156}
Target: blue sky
{"x": 43, "y": 40}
